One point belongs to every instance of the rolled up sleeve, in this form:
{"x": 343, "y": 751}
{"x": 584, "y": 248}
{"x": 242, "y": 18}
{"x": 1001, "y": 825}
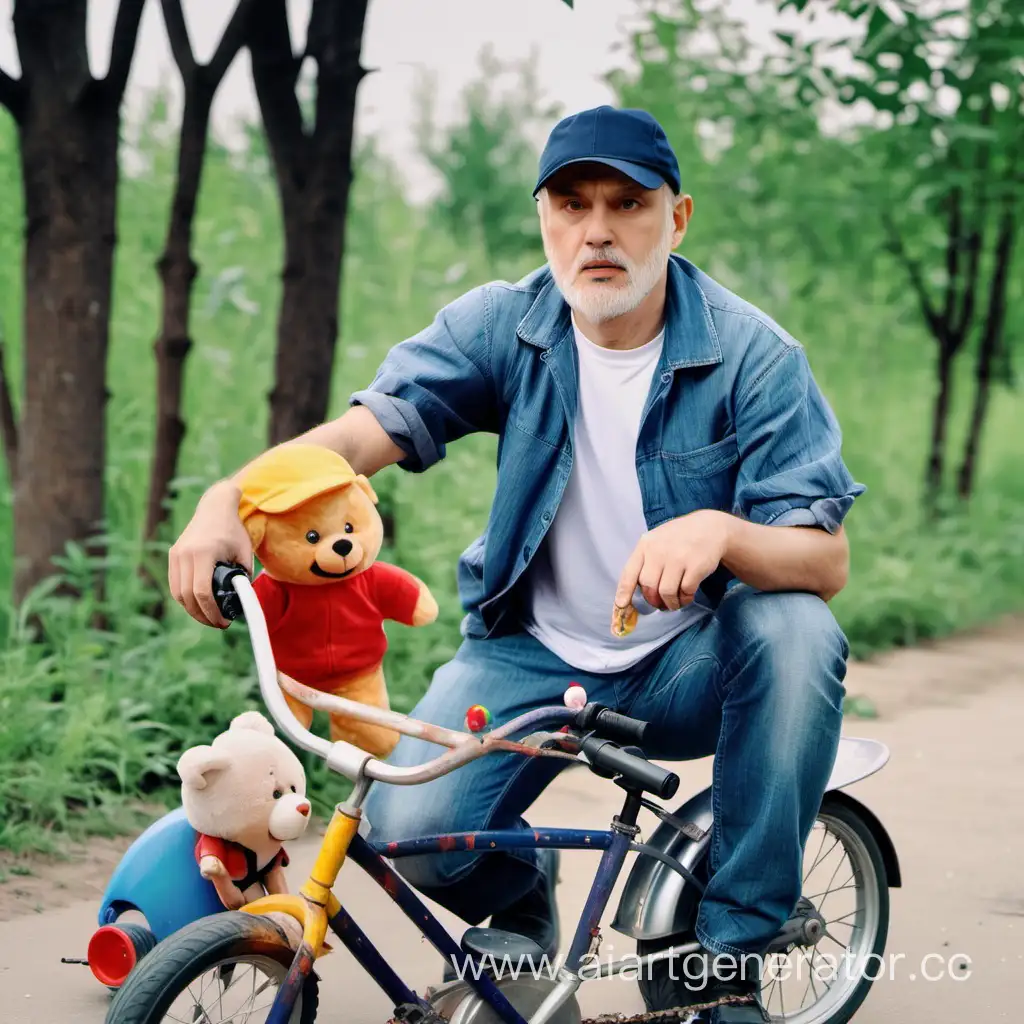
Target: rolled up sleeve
{"x": 437, "y": 386}
{"x": 791, "y": 470}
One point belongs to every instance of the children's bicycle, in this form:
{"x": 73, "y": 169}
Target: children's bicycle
{"x": 242, "y": 966}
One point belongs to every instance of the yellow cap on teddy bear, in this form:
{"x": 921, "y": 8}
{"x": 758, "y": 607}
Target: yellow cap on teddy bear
{"x": 290, "y": 474}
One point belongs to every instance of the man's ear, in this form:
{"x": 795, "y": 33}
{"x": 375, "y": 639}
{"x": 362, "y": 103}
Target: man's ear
{"x": 256, "y": 527}
{"x": 197, "y": 762}
{"x": 364, "y": 485}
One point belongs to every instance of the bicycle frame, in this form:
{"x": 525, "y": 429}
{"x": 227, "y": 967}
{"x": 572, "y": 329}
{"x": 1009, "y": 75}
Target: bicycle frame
{"x": 317, "y": 908}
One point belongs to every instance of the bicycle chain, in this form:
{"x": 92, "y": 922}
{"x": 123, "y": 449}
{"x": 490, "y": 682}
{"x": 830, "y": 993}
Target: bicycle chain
{"x": 673, "y": 1015}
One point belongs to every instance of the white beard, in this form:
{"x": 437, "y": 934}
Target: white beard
{"x": 600, "y": 301}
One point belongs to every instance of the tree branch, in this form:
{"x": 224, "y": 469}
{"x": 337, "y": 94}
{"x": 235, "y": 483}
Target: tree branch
{"x": 975, "y": 242}
{"x": 231, "y": 42}
{"x": 334, "y": 41}
{"x": 12, "y": 95}
{"x": 955, "y": 233}
{"x": 177, "y": 36}
{"x": 275, "y": 70}
{"x": 935, "y": 322}
{"x": 8, "y": 421}
{"x": 122, "y": 47}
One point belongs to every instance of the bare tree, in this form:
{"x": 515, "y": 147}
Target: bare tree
{"x": 68, "y": 128}
{"x": 989, "y": 347}
{"x": 314, "y": 171}
{"x": 176, "y": 265}
{"x": 951, "y": 324}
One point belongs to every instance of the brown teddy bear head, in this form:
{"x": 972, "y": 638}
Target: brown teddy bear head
{"x": 310, "y": 518}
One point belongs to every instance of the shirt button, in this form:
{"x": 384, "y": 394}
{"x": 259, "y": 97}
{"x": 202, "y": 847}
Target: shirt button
{"x": 666, "y": 377}
{"x": 546, "y": 517}
{"x": 526, "y": 551}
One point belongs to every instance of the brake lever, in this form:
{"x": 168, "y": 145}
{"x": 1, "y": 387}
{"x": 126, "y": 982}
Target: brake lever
{"x": 562, "y": 740}
{"x": 544, "y": 739}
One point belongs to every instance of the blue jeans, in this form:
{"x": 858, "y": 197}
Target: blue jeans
{"x": 758, "y": 684}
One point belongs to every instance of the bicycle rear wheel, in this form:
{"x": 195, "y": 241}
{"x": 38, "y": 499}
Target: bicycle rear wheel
{"x": 823, "y": 983}
{"x": 227, "y": 967}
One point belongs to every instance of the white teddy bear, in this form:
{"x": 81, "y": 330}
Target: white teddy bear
{"x": 245, "y": 794}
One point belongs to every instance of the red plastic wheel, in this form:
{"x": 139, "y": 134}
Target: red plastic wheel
{"x": 114, "y": 950}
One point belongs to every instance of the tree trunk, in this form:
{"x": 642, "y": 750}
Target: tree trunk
{"x": 177, "y": 272}
{"x": 176, "y": 266}
{"x": 307, "y": 328}
{"x": 8, "y": 420}
{"x": 987, "y": 351}
{"x": 314, "y": 172}
{"x": 68, "y": 128}
{"x": 70, "y": 173}
{"x": 940, "y": 418}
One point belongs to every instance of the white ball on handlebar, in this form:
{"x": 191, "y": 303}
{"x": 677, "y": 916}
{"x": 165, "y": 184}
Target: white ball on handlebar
{"x": 575, "y": 697}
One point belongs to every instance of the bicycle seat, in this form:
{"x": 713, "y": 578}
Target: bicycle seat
{"x": 498, "y": 944}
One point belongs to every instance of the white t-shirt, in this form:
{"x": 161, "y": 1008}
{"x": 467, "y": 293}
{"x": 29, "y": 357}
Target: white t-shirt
{"x": 572, "y": 581}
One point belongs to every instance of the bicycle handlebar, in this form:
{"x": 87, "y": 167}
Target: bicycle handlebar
{"x": 236, "y": 598}
{"x": 611, "y": 725}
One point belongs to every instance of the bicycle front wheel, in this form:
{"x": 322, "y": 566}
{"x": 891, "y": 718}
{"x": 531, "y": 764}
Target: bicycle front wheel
{"x": 219, "y": 969}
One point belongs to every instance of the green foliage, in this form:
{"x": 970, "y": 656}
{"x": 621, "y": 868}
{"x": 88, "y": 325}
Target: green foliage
{"x": 95, "y": 719}
{"x": 485, "y": 158}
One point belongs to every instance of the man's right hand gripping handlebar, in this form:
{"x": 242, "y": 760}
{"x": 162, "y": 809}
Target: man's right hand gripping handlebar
{"x": 214, "y": 534}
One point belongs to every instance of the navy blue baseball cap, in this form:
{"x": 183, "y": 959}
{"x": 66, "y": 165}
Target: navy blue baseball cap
{"x": 631, "y": 141}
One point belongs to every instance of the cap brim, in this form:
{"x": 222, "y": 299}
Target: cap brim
{"x": 295, "y": 495}
{"x": 642, "y": 175}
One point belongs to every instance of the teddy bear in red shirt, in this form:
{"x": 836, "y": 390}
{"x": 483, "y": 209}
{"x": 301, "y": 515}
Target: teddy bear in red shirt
{"x": 315, "y": 528}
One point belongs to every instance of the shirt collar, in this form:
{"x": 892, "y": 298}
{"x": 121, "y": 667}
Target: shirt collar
{"x": 690, "y": 335}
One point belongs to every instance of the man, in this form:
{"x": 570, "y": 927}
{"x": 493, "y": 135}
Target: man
{"x": 662, "y": 442}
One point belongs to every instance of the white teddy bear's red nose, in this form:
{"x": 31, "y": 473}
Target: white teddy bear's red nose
{"x": 303, "y": 809}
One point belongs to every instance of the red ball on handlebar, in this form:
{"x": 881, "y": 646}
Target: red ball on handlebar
{"x": 477, "y": 718}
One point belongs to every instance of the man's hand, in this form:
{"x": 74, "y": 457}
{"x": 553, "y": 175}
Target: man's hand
{"x": 214, "y": 534}
{"x": 672, "y": 560}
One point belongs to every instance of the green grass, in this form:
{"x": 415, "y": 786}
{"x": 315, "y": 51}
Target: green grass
{"x": 93, "y": 722}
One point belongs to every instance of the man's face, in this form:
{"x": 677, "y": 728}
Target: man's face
{"x": 607, "y": 239}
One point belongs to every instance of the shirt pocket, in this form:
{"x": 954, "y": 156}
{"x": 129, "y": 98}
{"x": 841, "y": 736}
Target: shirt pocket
{"x": 699, "y": 478}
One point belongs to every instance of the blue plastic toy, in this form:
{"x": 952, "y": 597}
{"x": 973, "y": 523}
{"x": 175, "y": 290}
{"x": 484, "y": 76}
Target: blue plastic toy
{"x": 157, "y": 877}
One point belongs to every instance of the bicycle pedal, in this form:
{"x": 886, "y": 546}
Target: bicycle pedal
{"x": 411, "y": 1013}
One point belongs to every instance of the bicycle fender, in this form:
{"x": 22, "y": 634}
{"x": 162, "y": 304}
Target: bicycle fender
{"x": 657, "y": 901}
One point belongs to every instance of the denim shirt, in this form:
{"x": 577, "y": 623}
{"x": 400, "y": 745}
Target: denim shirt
{"x": 733, "y": 421}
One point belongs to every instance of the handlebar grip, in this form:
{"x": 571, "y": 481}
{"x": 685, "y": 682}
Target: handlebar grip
{"x": 622, "y": 728}
{"x": 598, "y": 719}
{"x": 228, "y": 601}
{"x": 608, "y": 758}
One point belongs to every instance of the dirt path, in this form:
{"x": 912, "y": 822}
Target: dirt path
{"x": 952, "y": 796}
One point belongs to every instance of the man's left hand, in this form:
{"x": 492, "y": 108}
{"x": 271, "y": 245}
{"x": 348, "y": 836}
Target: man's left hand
{"x": 671, "y": 561}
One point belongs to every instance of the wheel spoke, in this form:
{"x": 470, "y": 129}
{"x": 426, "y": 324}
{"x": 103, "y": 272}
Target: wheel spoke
{"x": 839, "y": 920}
{"x": 810, "y": 978}
{"x": 821, "y": 856}
{"x": 832, "y": 938}
{"x": 828, "y": 892}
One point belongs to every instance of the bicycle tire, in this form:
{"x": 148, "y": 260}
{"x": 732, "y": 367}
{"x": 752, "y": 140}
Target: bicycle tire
{"x": 661, "y": 991}
{"x": 167, "y": 970}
